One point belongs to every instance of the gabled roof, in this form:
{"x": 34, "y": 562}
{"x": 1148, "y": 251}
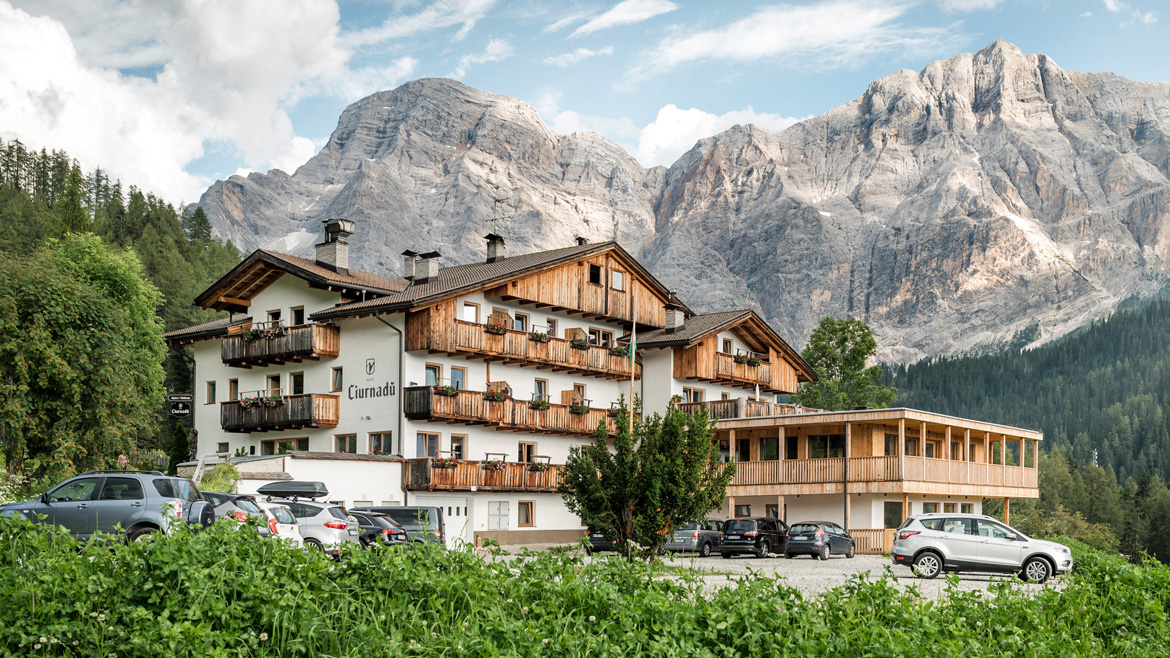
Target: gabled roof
{"x": 262, "y": 267}
{"x": 462, "y": 279}
{"x": 213, "y": 329}
{"x": 747, "y": 322}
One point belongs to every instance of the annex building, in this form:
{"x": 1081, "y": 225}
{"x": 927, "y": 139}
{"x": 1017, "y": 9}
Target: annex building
{"x": 373, "y": 383}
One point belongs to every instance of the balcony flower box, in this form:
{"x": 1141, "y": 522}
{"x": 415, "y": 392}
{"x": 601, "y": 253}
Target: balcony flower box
{"x": 495, "y": 396}
{"x": 579, "y": 408}
{"x": 537, "y": 467}
{"x": 749, "y": 360}
{"x": 579, "y": 344}
{"x": 273, "y": 401}
{"x": 612, "y": 413}
{"x": 494, "y": 465}
{"x": 447, "y": 391}
{"x": 267, "y": 332}
{"x": 620, "y": 350}
{"x": 539, "y": 405}
{"x": 445, "y": 463}
{"x": 495, "y": 329}
{"x": 538, "y": 337}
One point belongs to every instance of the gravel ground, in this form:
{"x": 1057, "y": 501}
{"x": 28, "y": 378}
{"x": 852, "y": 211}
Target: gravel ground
{"x": 814, "y": 577}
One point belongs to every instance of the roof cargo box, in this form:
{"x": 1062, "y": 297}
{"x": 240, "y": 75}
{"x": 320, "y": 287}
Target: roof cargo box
{"x": 294, "y": 489}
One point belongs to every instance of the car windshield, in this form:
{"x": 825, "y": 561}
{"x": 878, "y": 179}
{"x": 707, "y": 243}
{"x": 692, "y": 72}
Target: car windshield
{"x": 804, "y": 529}
{"x": 740, "y": 526}
{"x": 693, "y": 525}
{"x": 410, "y": 516}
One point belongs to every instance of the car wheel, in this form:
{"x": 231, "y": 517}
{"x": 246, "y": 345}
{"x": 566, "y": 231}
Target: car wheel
{"x": 852, "y": 550}
{"x": 705, "y": 550}
{"x": 140, "y": 534}
{"x": 313, "y": 544}
{"x": 765, "y": 549}
{"x": 788, "y": 556}
{"x": 823, "y": 554}
{"x": 1036, "y": 571}
{"x": 726, "y": 556}
{"x": 927, "y": 565}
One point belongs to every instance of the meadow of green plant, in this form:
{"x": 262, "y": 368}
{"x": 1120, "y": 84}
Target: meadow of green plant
{"x": 227, "y": 592}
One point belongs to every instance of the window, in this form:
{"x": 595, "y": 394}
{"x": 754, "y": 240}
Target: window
{"x": 692, "y": 394}
{"x": 724, "y": 450}
{"x": 274, "y": 316}
{"x": 434, "y": 374}
{"x": 595, "y": 275}
{"x": 743, "y": 510}
{"x": 993, "y": 530}
{"x": 828, "y": 445}
{"x": 524, "y": 514}
{"x": 930, "y": 448}
{"x": 526, "y": 452}
{"x": 471, "y": 312}
{"x": 520, "y": 323}
{"x": 210, "y": 393}
{"x": 911, "y": 446}
{"x": 957, "y": 451}
{"x": 281, "y": 446}
{"x": 296, "y": 383}
{"x": 273, "y": 384}
{"x": 551, "y": 323}
{"x": 428, "y": 444}
{"x": 540, "y": 389}
{"x": 727, "y": 346}
{"x": 382, "y": 443}
{"x": 233, "y": 389}
{"x": 892, "y": 513}
{"x": 967, "y": 508}
{"x": 772, "y": 511}
{"x": 959, "y": 526}
{"x": 891, "y": 445}
{"x": 497, "y": 515}
{"x": 298, "y": 315}
{"x": 458, "y": 377}
{"x": 346, "y": 443}
{"x": 338, "y": 379}
{"x": 458, "y": 446}
{"x": 117, "y": 488}
{"x": 790, "y": 447}
{"x": 74, "y": 491}
{"x": 221, "y": 447}
{"x": 743, "y": 450}
{"x": 770, "y": 448}
{"x": 619, "y": 280}
{"x": 724, "y": 396}
{"x": 579, "y": 391}
{"x": 949, "y": 508}
{"x": 929, "y": 508}
{"x": 601, "y": 337}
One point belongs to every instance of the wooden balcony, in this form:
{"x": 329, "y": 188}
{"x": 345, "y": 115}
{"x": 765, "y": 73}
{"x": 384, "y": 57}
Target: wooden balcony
{"x": 421, "y": 475}
{"x": 742, "y": 408}
{"x": 307, "y": 341}
{"x": 471, "y": 408}
{"x": 740, "y": 374}
{"x": 880, "y": 472}
{"x": 290, "y": 413}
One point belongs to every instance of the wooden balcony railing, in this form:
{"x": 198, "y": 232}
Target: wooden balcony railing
{"x": 291, "y": 412}
{"x": 882, "y": 469}
{"x": 307, "y": 341}
{"x": 472, "y": 476}
{"x": 555, "y": 354}
{"x": 471, "y": 407}
{"x": 872, "y": 542}
{"x": 742, "y": 373}
{"x": 743, "y": 408}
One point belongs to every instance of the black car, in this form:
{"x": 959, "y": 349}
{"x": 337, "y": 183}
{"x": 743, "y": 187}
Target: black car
{"x": 422, "y": 524}
{"x": 378, "y": 530}
{"x": 757, "y": 536}
{"x": 819, "y": 539}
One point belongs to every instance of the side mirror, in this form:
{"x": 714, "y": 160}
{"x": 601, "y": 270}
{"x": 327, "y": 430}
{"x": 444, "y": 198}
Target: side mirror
{"x": 45, "y": 498}
{"x": 1012, "y": 537}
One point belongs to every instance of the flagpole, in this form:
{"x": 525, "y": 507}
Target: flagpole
{"x": 633, "y": 348}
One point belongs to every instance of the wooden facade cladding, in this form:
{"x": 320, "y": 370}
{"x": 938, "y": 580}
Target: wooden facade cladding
{"x": 472, "y": 408}
{"x": 703, "y": 361}
{"x": 422, "y": 475}
{"x": 309, "y": 341}
{"x": 436, "y": 329}
{"x": 741, "y": 408}
{"x": 293, "y": 412}
{"x": 568, "y": 288}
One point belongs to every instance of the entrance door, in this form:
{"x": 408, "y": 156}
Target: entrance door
{"x": 456, "y": 519}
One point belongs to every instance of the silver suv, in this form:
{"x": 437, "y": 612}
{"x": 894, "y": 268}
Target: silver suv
{"x": 932, "y": 543}
{"x": 324, "y": 526}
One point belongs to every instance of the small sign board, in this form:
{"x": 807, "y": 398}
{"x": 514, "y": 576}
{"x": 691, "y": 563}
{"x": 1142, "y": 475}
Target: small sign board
{"x": 179, "y": 397}
{"x": 180, "y": 409}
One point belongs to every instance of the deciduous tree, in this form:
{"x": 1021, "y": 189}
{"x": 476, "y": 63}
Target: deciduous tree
{"x": 839, "y": 350}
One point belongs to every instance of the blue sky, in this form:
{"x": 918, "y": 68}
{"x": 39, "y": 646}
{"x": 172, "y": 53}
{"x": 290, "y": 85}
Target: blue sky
{"x": 174, "y": 95}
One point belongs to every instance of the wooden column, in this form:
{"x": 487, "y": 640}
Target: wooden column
{"x": 783, "y": 448}
{"x": 1023, "y": 445}
{"x": 731, "y": 444}
{"x": 845, "y": 470}
{"x": 1007, "y": 510}
{"x": 731, "y": 507}
{"x": 1036, "y": 455}
{"x": 967, "y": 452}
{"x": 905, "y": 506}
{"x": 780, "y": 513}
{"x": 922, "y": 440}
{"x": 947, "y": 442}
{"x": 901, "y": 448}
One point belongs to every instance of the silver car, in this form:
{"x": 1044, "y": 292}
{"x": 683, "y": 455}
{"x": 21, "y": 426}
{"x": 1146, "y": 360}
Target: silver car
{"x": 933, "y": 543}
{"x": 324, "y": 526}
{"x": 701, "y": 537}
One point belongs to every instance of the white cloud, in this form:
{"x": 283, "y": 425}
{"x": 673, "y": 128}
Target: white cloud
{"x": 1146, "y": 18}
{"x": 1115, "y": 5}
{"x": 1087, "y": 14}
{"x": 829, "y": 33}
{"x": 438, "y": 15}
{"x": 675, "y": 131}
{"x": 496, "y": 50}
{"x": 625, "y": 13}
{"x": 226, "y": 74}
{"x": 577, "y": 56}
{"x": 564, "y": 22}
{"x": 968, "y": 5}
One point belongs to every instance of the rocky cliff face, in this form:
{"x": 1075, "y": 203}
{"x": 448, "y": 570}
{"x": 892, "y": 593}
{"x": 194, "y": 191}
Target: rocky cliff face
{"x": 949, "y": 208}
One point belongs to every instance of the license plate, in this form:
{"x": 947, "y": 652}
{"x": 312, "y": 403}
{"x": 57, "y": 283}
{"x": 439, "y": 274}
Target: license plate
{"x": 733, "y": 536}
{"x": 802, "y": 538}
{"x": 353, "y": 532}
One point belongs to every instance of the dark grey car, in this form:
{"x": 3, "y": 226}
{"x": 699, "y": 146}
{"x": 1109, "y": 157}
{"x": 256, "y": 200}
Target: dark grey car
{"x": 819, "y": 539}
{"x": 700, "y": 537}
{"x": 136, "y": 503}
{"x": 422, "y": 524}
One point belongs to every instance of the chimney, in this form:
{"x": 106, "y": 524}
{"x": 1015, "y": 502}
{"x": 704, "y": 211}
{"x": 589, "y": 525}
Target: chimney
{"x": 333, "y": 253}
{"x": 427, "y": 268}
{"x": 674, "y": 318}
{"x": 496, "y": 250}
{"x": 408, "y": 259}
{"x": 582, "y": 241}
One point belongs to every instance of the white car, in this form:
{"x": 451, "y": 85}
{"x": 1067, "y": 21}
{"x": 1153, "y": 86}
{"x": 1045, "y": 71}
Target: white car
{"x": 282, "y": 524}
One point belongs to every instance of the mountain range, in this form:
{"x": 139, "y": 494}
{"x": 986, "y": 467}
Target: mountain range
{"x": 986, "y": 197}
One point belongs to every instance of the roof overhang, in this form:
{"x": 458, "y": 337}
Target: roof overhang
{"x": 889, "y": 415}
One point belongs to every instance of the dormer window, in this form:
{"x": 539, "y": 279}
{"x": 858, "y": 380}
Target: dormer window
{"x": 619, "y": 280}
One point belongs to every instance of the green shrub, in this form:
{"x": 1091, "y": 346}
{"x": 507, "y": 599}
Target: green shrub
{"x": 1061, "y": 523}
{"x": 222, "y": 592}
{"x": 221, "y": 478}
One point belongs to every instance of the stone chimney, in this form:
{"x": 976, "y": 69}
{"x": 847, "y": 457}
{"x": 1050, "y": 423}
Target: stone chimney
{"x": 427, "y": 267}
{"x": 674, "y": 318}
{"x": 408, "y": 259}
{"x": 496, "y": 250}
{"x": 333, "y": 253}
{"x": 582, "y": 241}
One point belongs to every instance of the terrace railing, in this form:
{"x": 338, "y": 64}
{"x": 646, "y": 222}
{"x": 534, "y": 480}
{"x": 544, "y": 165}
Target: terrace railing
{"x": 540, "y": 350}
{"x": 520, "y": 477}
{"x": 265, "y": 344}
{"x": 476, "y": 408}
{"x": 263, "y": 412}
